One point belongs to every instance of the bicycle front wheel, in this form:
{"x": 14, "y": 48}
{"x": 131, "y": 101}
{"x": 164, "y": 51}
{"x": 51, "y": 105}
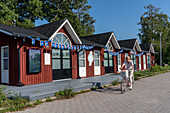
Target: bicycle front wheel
{"x": 124, "y": 86}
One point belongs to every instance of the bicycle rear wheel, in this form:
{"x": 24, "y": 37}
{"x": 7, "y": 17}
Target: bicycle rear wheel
{"x": 124, "y": 85}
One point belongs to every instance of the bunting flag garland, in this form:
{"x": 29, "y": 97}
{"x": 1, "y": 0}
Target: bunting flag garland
{"x": 41, "y": 43}
{"x": 62, "y": 47}
{"x": 38, "y": 39}
{"x": 59, "y": 46}
{"x": 46, "y": 43}
{"x": 49, "y": 40}
{"x": 56, "y": 46}
{"x": 33, "y": 41}
{"x": 52, "y": 44}
{"x": 136, "y": 54}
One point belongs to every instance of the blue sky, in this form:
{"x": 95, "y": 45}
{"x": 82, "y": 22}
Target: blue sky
{"x": 121, "y": 16}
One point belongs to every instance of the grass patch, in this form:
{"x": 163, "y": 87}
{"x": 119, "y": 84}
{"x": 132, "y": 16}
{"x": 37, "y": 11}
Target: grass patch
{"x": 115, "y": 82}
{"x": 154, "y": 70}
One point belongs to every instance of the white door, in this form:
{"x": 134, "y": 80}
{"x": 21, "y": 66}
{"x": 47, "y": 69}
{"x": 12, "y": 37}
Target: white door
{"x": 144, "y": 61}
{"x": 4, "y": 64}
{"x": 139, "y": 62}
{"x": 82, "y": 64}
{"x": 119, "y": 62}
{"x": 97, "y": 63}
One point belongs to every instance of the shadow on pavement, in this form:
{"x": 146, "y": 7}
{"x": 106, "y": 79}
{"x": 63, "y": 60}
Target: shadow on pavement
{"x": 110, "y": 90}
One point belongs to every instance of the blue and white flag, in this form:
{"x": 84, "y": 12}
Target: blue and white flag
{"x": 46, "y": 43}
{"x": 52, "y": 44}
{"x": 33, "y": 41}
{"x": 38, "y": 39}
{"x": 41, "y": 43}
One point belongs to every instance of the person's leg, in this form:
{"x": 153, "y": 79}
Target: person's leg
{"x": 131, "y": 75}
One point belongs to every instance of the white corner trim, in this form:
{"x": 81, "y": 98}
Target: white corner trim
{"x": 66, "y": 21}
{"x": 112, "y": 35}
{"x": 151, "y": 49}
{"x": 6, "y": 32}
{"x": 57, "y": 30}
{"x": 136, "y": 43}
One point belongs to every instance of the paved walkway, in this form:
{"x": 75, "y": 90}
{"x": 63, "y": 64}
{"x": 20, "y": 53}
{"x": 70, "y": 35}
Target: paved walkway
{"x": 40, "y": 91}
{"x": 150, "y": 95}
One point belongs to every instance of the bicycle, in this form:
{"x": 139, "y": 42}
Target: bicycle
{"x": 125, "y": 81}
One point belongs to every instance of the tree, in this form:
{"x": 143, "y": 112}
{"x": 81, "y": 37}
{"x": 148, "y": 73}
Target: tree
{"x": 6, "y": 15}
{"x": 76, "y": 11}
{"x": 152, "y": 23}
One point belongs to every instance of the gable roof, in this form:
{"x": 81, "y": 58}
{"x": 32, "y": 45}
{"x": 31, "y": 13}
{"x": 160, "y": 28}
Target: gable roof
{"x": 48, "y": 29}
{"x": 51, "y": 29}
{"x": 147, "y": 47}
{"x": 15, "y": 31}
{"x": 130, "y": 44}
{"x": 101, "y": 39}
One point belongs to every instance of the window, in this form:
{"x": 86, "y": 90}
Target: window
{"x": 106, "y": 59}
{"x": 96, "y": 58}
{"x": 119, "y": 59}
{"x": 148, "y": 59}
{"x": 144, "y": 59}
{"x": 82, "y": 58}
{"x": 126, "y": 54}
{"x": 61, "y": 39}
{"x": 139, "y": 59}
{"x": 109, "y": 46}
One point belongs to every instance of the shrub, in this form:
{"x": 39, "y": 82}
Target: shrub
{"x": 38, "y": 102}
{"x": 66, "y": 93}
{"x": 115, "y": 82}
{"x": 49, "y": 99}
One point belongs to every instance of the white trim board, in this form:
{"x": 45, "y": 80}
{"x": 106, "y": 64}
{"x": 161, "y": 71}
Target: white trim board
{"x": 70, "y": 30}
{"x": 6, "y": 32}
{"x": 117, "y": 44}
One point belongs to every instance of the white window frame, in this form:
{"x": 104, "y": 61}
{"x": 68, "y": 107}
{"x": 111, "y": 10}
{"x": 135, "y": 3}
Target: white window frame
{"x": 97, "y": 58}
{"x": 2, "y": 63}
{"x": 109, "y": 46}
{"x": 63, "y": 43}
{"x": 84, "y": 58}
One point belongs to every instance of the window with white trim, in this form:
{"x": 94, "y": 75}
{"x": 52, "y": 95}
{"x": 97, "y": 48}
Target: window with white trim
{"x": 119, "y": 59}
{"x": 126, "y": 54}
{"x": 96, "y": 58}
{"x": 82, "y": 59}
{"x": 109, "y": 46}
{"x": 61, "y": 38}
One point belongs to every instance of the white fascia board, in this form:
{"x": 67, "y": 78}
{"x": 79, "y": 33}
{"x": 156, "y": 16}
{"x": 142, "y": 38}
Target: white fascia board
{"x": 70, "y": 27}
{"x": 74, "y": 32}
{"x": 6, "y": 32}
{"x": 112, "y": 35}
{"x": 137, "y": 44}
{"x": 151, "y": 49}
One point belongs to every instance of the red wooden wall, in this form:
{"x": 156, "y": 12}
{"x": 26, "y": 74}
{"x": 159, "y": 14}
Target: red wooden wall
{"x": 13, "y": 57}
{"x": 46, "y": 70}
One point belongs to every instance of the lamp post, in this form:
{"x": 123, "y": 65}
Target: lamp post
{"x": 160, "y": 48}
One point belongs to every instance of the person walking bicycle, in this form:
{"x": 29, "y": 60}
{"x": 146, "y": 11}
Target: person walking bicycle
{"x": 130, "y": 67}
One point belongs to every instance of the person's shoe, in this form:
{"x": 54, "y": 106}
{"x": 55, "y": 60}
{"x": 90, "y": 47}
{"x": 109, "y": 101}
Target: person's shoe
{"x": 130, "y": 88}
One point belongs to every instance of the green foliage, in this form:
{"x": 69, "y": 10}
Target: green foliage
{"x": 154, "y": 70}
{"x": 116, "y": 82}
{"x": 76, "y": 11}
{"x": 152, "y": 23}
{"x": 66, "y": 93}
{"x": 49, "y": 99}
{"x": 6, "y": 15}
{"x": 38, "y": 102}
{"x": 27, "y": 11}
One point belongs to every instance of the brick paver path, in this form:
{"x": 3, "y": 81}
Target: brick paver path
{"x": 150, "y": 95}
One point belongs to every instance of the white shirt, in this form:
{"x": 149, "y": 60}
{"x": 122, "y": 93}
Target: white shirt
{"x": 128, "y": 66}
